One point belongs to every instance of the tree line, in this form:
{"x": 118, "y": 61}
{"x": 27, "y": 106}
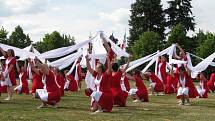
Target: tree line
{"x": 21, "y": 40}
{"x": 152, "y": 27}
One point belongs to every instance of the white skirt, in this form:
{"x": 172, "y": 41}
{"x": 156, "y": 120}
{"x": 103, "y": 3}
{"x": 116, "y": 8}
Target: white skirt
{"x": 132, "y": 91}
{"x": 152, "y": 85}
{"x": 43, "y": 94}
{"x": 182, "y": 91}
{"x": 7, "y": 81}
{"x": 123, "y": 87}
{"x": 66, "y": 86}
{"x": 96, "y": 95}
{"x": 200, "y": 91}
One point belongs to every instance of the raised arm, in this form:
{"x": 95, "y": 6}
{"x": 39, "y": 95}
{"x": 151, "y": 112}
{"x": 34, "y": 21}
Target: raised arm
{"x": 127, "y": 65}
{"x": 33, "y": 67}
{"x": 107, "y": 47}
{"x": 88, "y": 65}
{"x": 181, "y": 50}
{"x": 109, "y": 69}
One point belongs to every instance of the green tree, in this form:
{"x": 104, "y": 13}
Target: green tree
{"x": 207, "y": 46}
{"x": 178, "y": 35}
{"x": 146, "y": 15}
{"x": 179, "y": 12}
{"x": 148, "y": 43}
{"x": 53, "y": 41}
{"x": 19, "y": 39}
{"x": 3, "y": 36}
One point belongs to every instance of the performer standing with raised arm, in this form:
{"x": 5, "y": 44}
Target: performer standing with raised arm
{"x": 51, "y": 92}
{"x": 9, "y": 72}
{"x": 119, "y": 95}
{"x": 23, "y": 83}
{"x": 102, "y": 98}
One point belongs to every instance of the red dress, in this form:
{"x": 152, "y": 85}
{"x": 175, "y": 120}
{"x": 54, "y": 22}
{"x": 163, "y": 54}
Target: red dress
{"x": 61, "y": 82}
{"x": 24, "y": 81}
{"x": 73, "y": 86}
{"x": 36, "y": 82}
{"x": 78, "y": 72}
{"x": 193, "y": 93}
{"x": 142, "y": 92}
{"x": 169, "y": 88}
{"x": 11, "y": 61}
{"x": 210, "y": 83}
{"x": 106, "y": 100}
{"x": 162, "y": 69}
{"x": 52, "y": 88}
{"x": 158, "y": 84}
{"x": 204, "y": 85}
{"x": 119, "y": 95}
{"x": 126, "y": 82}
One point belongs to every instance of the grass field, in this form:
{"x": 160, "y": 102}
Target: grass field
{"x": 75, "y": 107}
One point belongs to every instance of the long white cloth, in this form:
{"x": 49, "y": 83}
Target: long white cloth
{"x": 212, "y": 63}
{"x": 64, "y": 50}
{"x": 201, "y": 66}
{"x": 18, "y": 52}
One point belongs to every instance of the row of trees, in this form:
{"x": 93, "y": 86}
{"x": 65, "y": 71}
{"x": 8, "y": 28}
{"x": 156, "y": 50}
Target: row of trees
{"x": 21, "y": 40}
{"x": 153, "y": 28}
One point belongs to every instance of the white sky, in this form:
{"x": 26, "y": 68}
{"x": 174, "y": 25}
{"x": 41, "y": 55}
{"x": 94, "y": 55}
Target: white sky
{"x": 80, "y": 17}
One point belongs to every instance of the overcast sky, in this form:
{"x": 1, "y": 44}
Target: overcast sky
{"x": 80, "y": 17}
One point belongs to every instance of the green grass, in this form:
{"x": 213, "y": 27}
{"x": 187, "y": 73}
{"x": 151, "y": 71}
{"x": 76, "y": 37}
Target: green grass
{"x": 76, "y": 107}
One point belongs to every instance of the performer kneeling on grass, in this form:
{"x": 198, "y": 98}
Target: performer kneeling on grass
{"x": 102, "y": 98}
{"x": 36, "y": 79}
{"x": 119, "y": 95}
{"x": 51, "y": 92}
{"x": 156, "y": 85}
{"x": 203, "y": 87}
{"x": 140, "y": 93}
{"x": 23, "y": 83}
{"x": 211, "y": 82}
{"x": 183, "y": 90}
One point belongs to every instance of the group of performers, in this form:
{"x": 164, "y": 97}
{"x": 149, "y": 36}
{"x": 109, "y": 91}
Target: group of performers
{"x": 111, "y": 81}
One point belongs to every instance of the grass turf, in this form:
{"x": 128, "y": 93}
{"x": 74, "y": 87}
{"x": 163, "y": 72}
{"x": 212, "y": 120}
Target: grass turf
{"x": 76, "y": 107}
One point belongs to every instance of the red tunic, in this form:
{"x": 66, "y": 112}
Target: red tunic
{"x": 210, "y": 83}
{"x": 52, "y": 88}
{"x": 205, "y": 86}
{"x": 79, "y": 72}
{"x": 110, "y": 56}
{"x": 163, "y": 71}
{"x": 73, "y": 86}
{"x": 119, "y": 95}
{"x": 169, "y": 88}
{"x": 193, "y": 93}
{"x": 159, "y": 84}
{"x": 36, "y": 82}
{"x": 106, "y": 100}
{"x": 61, "y": 82}
{"x": 142, "y": 92}
{"x": 25, "y": 88}
{"x": 126, "y": 82}
{"x": 12, "y": 72}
